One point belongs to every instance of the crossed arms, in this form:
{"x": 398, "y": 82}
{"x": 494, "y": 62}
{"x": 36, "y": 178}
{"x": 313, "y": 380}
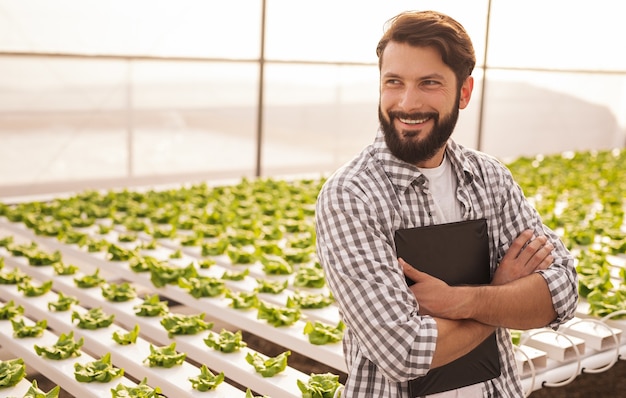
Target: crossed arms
{"x": 466, "y": 315}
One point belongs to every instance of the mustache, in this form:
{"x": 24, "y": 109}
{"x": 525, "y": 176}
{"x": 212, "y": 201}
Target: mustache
{"x": 414, "y": 115}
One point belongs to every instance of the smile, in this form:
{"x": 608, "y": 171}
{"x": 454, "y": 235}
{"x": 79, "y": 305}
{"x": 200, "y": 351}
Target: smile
{"x": 414, "y": 121}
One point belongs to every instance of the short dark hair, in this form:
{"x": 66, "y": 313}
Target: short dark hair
{"x": 432, "y": 29}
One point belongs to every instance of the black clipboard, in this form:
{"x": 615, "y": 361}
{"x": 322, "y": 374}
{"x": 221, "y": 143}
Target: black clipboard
{"x": 457, "y": 253}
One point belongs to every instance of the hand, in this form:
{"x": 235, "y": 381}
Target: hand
{"x": 526, "y": 255}
{"x": 434, "y": 296}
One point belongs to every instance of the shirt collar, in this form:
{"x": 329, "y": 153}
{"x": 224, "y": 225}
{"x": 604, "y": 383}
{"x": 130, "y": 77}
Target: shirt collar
{"x": 403, "y": 174}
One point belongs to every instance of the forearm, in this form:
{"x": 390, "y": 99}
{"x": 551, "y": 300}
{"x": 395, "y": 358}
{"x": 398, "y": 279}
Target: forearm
{"x": 522, "y": 304}
{"x": 456, "y": 338}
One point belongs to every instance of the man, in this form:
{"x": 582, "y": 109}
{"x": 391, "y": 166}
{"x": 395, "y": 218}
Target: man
{"x": 414, "y": 175}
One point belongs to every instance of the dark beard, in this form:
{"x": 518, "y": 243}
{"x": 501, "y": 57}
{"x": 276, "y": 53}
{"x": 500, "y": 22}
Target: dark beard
{"x": 427, "y": 147}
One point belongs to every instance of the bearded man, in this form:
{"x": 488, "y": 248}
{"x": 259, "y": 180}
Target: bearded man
{"x": 415, "y": 175}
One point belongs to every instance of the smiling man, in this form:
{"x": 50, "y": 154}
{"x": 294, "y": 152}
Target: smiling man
{"x": 414, "y": 175}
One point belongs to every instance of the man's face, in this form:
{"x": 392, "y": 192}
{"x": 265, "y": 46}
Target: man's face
{"x": 419, "y": 103}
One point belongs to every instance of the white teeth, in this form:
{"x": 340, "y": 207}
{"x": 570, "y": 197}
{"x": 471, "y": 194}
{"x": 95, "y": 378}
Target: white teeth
{"x": 412, "y": 121}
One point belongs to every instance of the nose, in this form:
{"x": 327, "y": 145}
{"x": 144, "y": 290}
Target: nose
{"x": 410, "y": 99}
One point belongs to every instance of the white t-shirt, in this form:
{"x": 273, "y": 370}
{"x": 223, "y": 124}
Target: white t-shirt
{"x": 442, "y": 184}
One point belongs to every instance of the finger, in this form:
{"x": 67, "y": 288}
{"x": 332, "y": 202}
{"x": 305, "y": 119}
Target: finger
{"x": 535, "y": 252}
{"x": 405, "y": 266}
{"x": 408, "y": 270}
{"x": 545, "y": 256}
{"x": 542, "y": 264}
{"x": 546, "y": 263}
{"x": 518, "y": 244}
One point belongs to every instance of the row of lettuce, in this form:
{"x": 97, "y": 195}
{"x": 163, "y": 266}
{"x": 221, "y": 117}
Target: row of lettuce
{"x": 190, "y": 280}
{"x": 12, "y": 371}
{"x": 102, "y": 370}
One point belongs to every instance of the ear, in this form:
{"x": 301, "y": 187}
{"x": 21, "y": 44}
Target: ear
{"x": 466, "y": 92}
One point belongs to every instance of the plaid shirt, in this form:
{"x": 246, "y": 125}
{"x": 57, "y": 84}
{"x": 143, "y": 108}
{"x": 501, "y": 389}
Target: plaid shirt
{"x": 386, "y": 343}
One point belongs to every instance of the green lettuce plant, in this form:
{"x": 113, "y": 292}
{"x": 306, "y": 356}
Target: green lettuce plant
{"x": 101, "y": 370}
{"x": 226, "y": 341}
{"x": 93, "y": 319}
{"x": 165, "y": 357}
{"x": 12, "y": 371}
{"x": 320, "y": 333}
{"x": 64, "y": 348}
{"x": 141, "y": 390}
{"x": 268, "y": 366}
{"x": 151, "y": 306}
{"x": 206, "y": 380}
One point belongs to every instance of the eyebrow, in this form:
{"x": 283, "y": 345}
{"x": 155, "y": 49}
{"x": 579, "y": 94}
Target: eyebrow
{"x": 436, "y": 76}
